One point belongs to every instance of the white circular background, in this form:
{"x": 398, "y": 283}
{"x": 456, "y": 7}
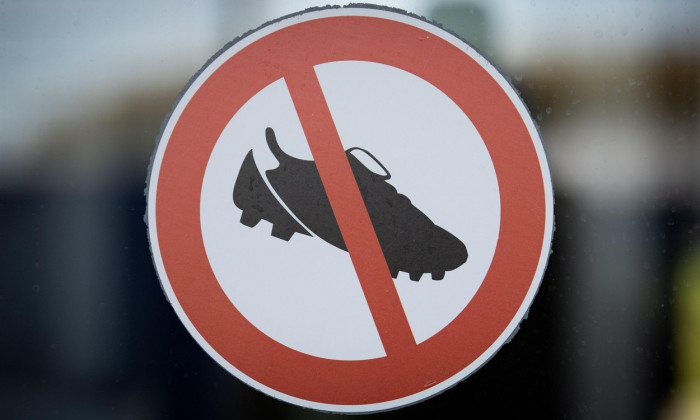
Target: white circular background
{"x": 304, "y": 293}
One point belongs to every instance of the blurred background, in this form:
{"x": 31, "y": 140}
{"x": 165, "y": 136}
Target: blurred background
{"x": 85, "y": 331}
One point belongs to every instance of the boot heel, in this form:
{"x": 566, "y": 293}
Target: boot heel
{"x": 283, "y": 232}
{"x": 251, "y": 194}
{"x": 250, "y": 218}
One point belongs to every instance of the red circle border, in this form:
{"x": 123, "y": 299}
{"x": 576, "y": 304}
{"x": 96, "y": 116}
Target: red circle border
{"x": 308, "y": 43}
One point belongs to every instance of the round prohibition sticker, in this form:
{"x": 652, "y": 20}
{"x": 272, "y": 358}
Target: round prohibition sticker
{"x": 350, "y": 209}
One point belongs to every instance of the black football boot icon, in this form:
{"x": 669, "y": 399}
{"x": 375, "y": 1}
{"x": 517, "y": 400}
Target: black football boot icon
{"x": 410, "y": 241}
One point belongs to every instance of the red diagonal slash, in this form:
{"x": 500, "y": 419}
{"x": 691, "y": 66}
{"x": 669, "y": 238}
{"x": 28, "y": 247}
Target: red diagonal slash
{"x": 350, "y": 211}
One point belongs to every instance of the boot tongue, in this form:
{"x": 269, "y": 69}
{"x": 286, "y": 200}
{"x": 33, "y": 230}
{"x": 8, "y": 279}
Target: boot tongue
{"x": 370, "y": 162}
